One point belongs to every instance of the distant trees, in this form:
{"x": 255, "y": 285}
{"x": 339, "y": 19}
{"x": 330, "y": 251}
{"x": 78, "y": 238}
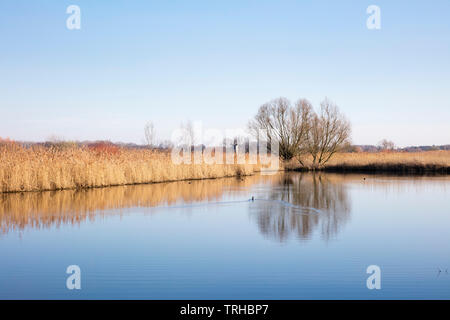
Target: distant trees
{"x": 300, "y": 131}
{"x": 386, "y": 145}
{"x": 188, "y": 137}
{"x": 149, "y": 133}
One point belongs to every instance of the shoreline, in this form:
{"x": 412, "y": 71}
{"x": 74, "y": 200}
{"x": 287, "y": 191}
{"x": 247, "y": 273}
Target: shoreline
{"x": 73, "y": 168}
{"x": 398, "y": 170}
{"x": 394, "y": 169}
{"x": 391, "y": 171}
{"x": 131, "y": 184}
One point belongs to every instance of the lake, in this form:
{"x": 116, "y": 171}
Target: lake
{"x": 303, "y": 236}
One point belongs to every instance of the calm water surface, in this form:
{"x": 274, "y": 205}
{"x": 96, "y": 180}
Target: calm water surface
{"x": 304, "y": 236}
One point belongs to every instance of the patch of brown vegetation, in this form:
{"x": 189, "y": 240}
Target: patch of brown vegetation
{"x": 71, "y": 167}
{"x": 398, "y": 162}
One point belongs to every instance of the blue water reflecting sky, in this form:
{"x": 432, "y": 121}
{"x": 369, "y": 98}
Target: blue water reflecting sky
{"x": 248, "y": 250}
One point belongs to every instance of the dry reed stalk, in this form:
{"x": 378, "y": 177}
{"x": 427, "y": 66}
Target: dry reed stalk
{"x": 432, "y": 161}
{"x": 41, "y": 168}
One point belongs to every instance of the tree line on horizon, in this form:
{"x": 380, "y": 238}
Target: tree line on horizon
{"x": 298, "y": 130}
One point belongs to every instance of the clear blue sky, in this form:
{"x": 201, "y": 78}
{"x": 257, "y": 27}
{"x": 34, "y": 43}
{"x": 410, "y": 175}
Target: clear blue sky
{"x": 217, "y": 62}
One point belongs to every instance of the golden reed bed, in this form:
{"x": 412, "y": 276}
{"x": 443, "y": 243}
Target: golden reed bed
{"x": 41, "y": 168}
{"x": 408, "y": 162}
{"x": 387, "y": 162}
{"x": 72, "y": 167}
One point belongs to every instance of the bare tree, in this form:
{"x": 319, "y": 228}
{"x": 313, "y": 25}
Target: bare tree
{"x": 329, "y": 132}
{"x": 302, "y": 124}
{"x": 149, "y": 131}
{"x": 187, "y": 137}
{"x": 189, "y": 128}
{"x": 285, "y": 124}
{"x": 386, "y": 145}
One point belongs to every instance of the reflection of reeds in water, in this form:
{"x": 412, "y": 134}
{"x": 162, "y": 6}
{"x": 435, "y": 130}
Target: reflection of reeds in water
{"x": 324, "y": 191}
{"x": 53, "y": 208}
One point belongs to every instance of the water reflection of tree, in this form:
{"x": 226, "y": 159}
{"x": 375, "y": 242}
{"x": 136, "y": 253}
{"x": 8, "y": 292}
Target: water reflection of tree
{"x": 308, "y": 191}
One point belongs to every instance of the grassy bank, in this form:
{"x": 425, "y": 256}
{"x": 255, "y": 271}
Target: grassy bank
{"x": 67, "y": 166}
{"x": 388, "y": 162}
{"x": 71, "y": 167}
